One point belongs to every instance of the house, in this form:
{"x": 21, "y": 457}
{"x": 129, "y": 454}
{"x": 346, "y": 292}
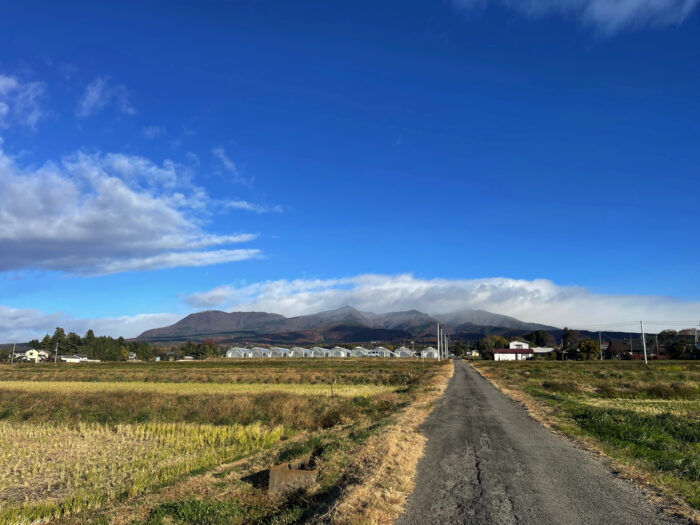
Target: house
{"x": 338, "y": 352}
{"x": 429, "y": 353}
{"x": 298, "y": 352}
{"x": 318, "y": 351}
{"x": 31, "y": 355}
{"x": 518, "y": 345}
{"x": 237, "y": 352}
{"x": 404, "y": 352}
{"x": 512, "y": 354}
{"x": 43, "y": 355}
{"x": 473, "y": 353}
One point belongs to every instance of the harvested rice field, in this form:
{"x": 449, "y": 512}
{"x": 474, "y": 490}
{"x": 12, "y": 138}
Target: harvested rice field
{"x": 188, "y": 442}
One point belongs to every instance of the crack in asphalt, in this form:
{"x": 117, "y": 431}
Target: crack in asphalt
{"x": 487, "y": 462}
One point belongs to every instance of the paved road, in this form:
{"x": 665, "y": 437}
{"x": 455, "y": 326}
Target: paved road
{"x": 488, "y": 462}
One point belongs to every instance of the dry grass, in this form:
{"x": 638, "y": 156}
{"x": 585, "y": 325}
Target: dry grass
{"x": 384, "y": 468}
{"x": 70, "y": 387}
{"x": 78, "y": 447}
{"x": 51, "y": 471}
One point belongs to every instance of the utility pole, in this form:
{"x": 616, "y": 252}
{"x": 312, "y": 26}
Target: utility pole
{"x": 55, "y": 354}
{"x": 438, "y": 341}
{"x": 12, "y": 360}
{"x": 644, "y": 342}
{"x": 600, "y": 345}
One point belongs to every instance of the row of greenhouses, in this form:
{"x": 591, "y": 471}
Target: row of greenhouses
{"x": 338, "y": 351}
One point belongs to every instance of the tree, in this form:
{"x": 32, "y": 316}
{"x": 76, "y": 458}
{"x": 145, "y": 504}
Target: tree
{"x": 46, "y": 343}
{"x": 73, "y": 342}
{"x": 540, "y": 338}
{"x": 58, "y": 338}
{"x": 459, "y": 348}
{"x": 490, "y": 342}
{"x": 34, "y": 343}
{"x": 570, "y": 339}
{"x": 589, "y": 349}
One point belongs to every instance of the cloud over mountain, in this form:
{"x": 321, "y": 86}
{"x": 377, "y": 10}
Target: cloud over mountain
{"x": 538, "y": 300}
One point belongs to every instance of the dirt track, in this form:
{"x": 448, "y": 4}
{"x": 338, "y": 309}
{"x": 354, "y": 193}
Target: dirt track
{"x": 488, "y": 462}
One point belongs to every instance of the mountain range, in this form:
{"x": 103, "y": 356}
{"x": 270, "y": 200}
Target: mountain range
{"x": 345, "y": 324}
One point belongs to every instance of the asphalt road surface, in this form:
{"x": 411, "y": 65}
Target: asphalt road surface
{"x": 488, "y": 462}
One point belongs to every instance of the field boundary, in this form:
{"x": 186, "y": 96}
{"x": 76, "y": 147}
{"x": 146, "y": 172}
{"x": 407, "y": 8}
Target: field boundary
{"x": 544, "y": 414}
{"x": 382, "y": 475}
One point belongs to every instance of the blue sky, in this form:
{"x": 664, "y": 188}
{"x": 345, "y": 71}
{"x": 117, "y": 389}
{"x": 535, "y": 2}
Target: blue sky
{"x": 537, "y": 158}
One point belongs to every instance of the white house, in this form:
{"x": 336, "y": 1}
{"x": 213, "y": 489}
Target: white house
{"x": 318, "y": 351}
{"x": 518, "y": 345}
{"x": 43, "y": 355}
{"x": 31, "y": 355}
{"x": 298, "y": 352}
{"x": 512, "y": 354}
{"x": 404, "y": 352}
{"x": 429, "y": 353}
{"x": 338, "y": 351}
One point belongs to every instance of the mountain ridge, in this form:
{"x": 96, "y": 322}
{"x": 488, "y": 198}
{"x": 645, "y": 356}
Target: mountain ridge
{"x": 341, "y": 324}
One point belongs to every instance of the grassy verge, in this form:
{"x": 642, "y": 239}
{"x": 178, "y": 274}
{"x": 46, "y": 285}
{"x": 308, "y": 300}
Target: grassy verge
{"x": 647, "y": 419}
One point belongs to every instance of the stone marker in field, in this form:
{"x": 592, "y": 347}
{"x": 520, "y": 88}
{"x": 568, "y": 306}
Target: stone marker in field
{"x": 291, "y": 477}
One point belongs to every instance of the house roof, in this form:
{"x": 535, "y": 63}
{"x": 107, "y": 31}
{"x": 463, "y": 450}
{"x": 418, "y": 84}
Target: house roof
{"x": 513, "y": 351}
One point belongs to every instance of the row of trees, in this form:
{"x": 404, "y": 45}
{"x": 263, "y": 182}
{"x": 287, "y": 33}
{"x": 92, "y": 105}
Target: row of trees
{"x": 103, "y": 348}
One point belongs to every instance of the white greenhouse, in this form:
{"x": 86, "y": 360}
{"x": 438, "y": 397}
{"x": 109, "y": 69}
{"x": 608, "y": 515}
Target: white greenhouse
{"x": 404, "y": 352}
{"x": 258, "y": 352}
{"x": 338, "y": 351}
{"x": 358, "y": 351}
{"x": 429, "y": 353}
{"x": 384, "y": 352}
{"x": 317, "y": 351}
{"x": 237, "y": 352}
{"x": 276, "y": 351}
{"x": 298, "y": 352}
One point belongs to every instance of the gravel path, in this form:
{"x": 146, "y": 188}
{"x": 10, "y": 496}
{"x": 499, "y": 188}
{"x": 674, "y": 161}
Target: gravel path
{"x": 488, "y": 462}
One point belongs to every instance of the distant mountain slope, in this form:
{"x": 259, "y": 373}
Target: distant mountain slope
{"x": 212, "y": 322}
{"x": 467, "y": 317}
{"x": 341, "y": 324}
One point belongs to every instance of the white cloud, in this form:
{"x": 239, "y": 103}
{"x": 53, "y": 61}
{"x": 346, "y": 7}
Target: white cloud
{"x": 231, "y": 167}
{"x": 252, "y": 206}
{"x": 99, "y": 214}
{"x": 20, "y": 102}
{"x": 538, "y": 300}
{"x": 100, "y": 94}
{"x": 609, "y": 16}
{"x": 152, "y": 132}
{"x": 21, "y": 325}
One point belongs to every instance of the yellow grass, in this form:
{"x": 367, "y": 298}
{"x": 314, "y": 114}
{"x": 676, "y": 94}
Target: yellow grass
{"x": 385, "y": 467}
{"x": 49, "y": 471}
{"x": 306, "y": 389}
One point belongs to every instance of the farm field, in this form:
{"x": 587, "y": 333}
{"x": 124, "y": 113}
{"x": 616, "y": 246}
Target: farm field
{"x": 647, "y": 418}
{"x": 109, "y": 443}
